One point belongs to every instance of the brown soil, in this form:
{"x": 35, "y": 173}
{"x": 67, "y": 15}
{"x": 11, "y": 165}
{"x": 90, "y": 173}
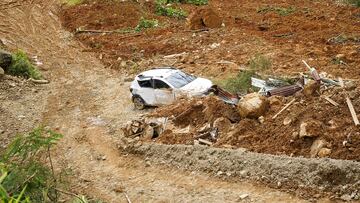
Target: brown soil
{"x": 272, "y": 136}
{"x": 311, "y": 31}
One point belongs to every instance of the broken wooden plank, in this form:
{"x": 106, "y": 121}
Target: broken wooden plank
{"x": 330, "y": 101}
{"x": 350, "y": 105}
{"x": 352, "y": 111}
{"x": 283, "y": 109}
{"x": 205, "y": 142}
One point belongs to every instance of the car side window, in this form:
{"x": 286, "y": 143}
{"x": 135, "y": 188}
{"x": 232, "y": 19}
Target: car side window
{"x": 145, "y": 83}
{"x": 158, "y": 84}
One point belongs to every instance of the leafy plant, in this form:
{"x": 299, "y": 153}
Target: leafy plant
{"x": 165, "y": 10}
{"x": 146, "y": 23}
{"x": 25, "y": 178}
{"x": 21, "y": 66}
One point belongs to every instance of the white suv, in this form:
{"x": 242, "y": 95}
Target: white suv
{"x": 162, "y": 86}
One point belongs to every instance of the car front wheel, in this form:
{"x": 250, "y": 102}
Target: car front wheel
{"x": 139, "y": 103}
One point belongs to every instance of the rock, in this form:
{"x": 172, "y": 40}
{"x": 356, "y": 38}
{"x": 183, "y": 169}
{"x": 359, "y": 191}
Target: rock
{"x": 346, "y": 197}
{"x": 243, "y": 196}
{"x": 310, "y": 128}
{"x": 315, "y": 148}
{"x": 324, "y": 152}
{"x": 311, "y": 88}
{"x": 350, "y": 85}
{"x": 287, "y": 121}
{"x": 222, "y": 124}
{"x": 204, "y": 17}
{"x": 5, "y": 59}
{"x": 340, "y": 56}
{"x": 261, "y": 119}
{"x": 2, "y": 73}
{"x": 253, "y": 105}
{"x": 275, "y": 101}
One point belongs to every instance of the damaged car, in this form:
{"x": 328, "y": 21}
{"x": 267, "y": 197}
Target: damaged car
{"x": 162, "y": 86}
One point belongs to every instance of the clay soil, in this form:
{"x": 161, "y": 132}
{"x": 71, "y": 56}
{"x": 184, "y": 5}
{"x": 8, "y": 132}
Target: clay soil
{"x": 272, "y": 136}
{"x": 284, "y": 31}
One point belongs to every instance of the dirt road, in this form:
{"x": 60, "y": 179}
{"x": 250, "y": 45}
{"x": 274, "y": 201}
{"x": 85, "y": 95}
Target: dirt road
{"x": 88, "y": 103}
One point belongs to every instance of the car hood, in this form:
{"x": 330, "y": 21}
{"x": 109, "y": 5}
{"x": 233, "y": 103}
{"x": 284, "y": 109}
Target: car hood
{"x": 198, "y": 86}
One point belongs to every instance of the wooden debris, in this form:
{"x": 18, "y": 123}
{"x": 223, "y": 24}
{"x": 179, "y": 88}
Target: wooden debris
{"x": 350, "y": 105}
{"x": 352, "y": 111}
{"x": 283, "y": 109}
{"x": 205, "y": 142}
{"x": 174, "y": 55}
{"x": 330, "y": 100}
{"x": 39, "y": 81}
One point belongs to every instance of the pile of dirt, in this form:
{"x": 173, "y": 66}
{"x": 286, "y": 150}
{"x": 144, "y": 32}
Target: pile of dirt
{"x": 203, "y": 18}
{"x": 332, "y": 126}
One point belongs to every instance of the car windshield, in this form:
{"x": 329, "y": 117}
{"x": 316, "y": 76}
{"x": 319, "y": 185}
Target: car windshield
{"x": 180, "y": 79}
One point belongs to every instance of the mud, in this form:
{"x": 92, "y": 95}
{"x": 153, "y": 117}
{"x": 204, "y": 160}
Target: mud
{"x": 334, "y": 125}
{"x": 323, "y": 175}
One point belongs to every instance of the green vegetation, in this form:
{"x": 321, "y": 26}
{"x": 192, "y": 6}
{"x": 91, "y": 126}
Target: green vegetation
{"x": 242, "y": 81}
{"x": 195, "y": 2}
{"x": 24, "y": 177}
{"x": 354, "y": 2}
{"x": 165, "y": 10}
{"x": 21, "y": 66}
{"x": 73, "y": 2}
{"x": 259, "y": 63}
{"x": 279, "y": 10}
{"x": 146, "y": 23}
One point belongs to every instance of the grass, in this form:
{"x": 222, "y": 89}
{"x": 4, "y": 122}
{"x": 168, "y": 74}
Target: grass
{"x": 146, "y": 23}
{"x": 73, "y": 2}
{"x": 279, "y": 10}
{"x": 21, "y": 66}
{"x": 195, "y": 2}
{"x": 354, "y": 2}
{"x": 24, "y": 176}
{"x": 241, "y": 83}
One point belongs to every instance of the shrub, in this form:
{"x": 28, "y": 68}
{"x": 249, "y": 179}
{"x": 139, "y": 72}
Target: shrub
{"x": 169, "y": 11}
{"x": 21, "y": 66}
{"x": 242, "y": 81}
{"x": 145, "y": 24}
{"x": 259, "y": 63}
{"x": 24, "y": 177}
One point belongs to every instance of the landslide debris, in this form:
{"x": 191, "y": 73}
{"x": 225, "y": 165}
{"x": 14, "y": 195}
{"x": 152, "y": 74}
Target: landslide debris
{"x": 310, "y": 127}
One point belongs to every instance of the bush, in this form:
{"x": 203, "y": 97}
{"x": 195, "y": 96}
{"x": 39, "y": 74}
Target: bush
{"x": 21, "y": 66}
{"x": 145, "y": 24}
{"x": 242, "y": 81}
{"x": 169, "y": 11}
{"x": 259, "y": 63}
{"x": 24, "y": 177}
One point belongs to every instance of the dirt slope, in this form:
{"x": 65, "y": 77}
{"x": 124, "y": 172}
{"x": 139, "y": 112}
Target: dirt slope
{"x": 87, "y": 103}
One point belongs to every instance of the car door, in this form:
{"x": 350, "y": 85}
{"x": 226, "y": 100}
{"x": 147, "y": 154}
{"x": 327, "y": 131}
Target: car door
{"x": 163, "y": 92}
{"x": 146, "y": 91}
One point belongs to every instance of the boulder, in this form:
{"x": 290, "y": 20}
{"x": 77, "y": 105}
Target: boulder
{"x": 324, "y": 152}
{"x": 5, "y": 59}
{"x": 222, "y": 124}
{"x": 311, "y": 128}
{"x": 316, "y": 146}
{"x": 311, "y": 88}
{"x": 203, "y": 18}
{"x": 253, "y": 105}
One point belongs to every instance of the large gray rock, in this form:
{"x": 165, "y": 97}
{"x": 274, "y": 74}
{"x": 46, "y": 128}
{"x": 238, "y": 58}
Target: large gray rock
{"x": 5, "y": 59}
{"x": 253, "y": 105}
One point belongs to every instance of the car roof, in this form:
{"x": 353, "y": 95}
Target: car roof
{"x": 162, "y": 72}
